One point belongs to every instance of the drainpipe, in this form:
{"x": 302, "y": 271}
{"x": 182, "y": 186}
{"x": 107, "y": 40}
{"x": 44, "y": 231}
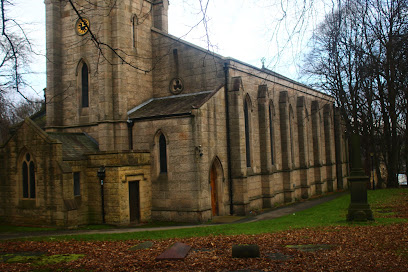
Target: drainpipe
{"x": 227, "y": 119}
{"x": 130, "y": 124}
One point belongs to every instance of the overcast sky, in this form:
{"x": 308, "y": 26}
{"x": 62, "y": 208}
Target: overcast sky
{"x": 241, "y": 29}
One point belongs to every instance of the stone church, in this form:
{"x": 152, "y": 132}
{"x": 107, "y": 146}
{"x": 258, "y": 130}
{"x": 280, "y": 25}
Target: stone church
{"x": 143, "y": 126}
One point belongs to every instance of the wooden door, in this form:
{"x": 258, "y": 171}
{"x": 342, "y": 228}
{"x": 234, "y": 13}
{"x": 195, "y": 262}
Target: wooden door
{"x": 134, "y": 201}
{"x": 213, "y": 185}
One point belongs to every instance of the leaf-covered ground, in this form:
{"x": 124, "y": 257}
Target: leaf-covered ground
{"x": 351, "y": 248}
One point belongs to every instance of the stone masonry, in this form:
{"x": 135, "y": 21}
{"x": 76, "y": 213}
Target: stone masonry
{"x": 183, "y": 134}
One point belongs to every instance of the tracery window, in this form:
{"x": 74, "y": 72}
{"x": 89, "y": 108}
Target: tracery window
{"x": 28, "y": 173}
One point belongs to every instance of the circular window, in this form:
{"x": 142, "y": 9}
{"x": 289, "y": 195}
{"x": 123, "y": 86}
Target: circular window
{"x": 176, "y": 85}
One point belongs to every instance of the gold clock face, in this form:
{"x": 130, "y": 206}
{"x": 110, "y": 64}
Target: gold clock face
{"x": 82, "y": 26}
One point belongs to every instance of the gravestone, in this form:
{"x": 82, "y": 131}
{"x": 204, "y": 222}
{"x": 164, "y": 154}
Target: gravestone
{"x": 359, "y": 209}
{"x": 178, "y": 251}
{"x": 245, "y": 251}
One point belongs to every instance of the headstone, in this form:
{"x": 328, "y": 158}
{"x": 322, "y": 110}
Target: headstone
{"x": 245, "y": 251}
{"x": 178, "y": 251}
{"x": 358, "y": 210}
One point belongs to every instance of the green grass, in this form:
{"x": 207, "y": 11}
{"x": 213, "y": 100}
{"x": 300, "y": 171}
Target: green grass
{"x": 332, "y": 213}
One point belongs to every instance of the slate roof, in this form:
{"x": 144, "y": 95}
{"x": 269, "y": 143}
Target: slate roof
{"x": 177, "y": 105}
{"x": 75, "y": 145}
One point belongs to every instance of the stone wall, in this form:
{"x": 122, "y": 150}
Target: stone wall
{"x": 55, "y": 202}
{"x": 114, "y": 87}
{"x": 210, "y": 136}
{"x": 120, "y": 169}
{"x": 282, "y": 148}
{"x": 199, "y": 69}
{"x": 300, "y": 161}
{"x": 47, "y": 206}
{"x": 303, "y": 138}
{"x": 194, "y": 144}
{"x": 175, "y": 193}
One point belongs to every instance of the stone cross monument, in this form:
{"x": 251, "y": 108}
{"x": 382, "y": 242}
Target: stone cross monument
{"x": 359, "y": 209}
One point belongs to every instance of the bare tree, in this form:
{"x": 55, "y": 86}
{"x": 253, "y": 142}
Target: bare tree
{"x": 15, "y": 57}
{"x": 13, "y": 113}
{"x": 359, "y": 56}
{"x": 5, "y": 121}
{"x": 15, "y": 50}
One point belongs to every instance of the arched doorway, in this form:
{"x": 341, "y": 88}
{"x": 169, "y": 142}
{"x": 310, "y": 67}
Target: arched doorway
{"x": 217, "y": 187}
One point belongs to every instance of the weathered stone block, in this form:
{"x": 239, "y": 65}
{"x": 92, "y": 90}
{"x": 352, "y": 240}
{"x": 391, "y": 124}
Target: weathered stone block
{"x": 245, "y": 251}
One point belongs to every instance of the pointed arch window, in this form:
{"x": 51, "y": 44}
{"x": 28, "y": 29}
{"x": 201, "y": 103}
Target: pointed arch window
{"x": 321, "y": 136}
{"x": 85, "y": 85}
{"x": 247, "y": 133}
{"x": 292, "y": 153}
{"x": 271, "y": 132}
{"x": 315, "y": 132}
{"x": 162, "y": 154}
{"x": 327, "y": 132}
{"x": 28, "y": 174}
{"x": 77, "y": 183}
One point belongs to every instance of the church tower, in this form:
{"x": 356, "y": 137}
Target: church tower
{"x": 99, "y": 63}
